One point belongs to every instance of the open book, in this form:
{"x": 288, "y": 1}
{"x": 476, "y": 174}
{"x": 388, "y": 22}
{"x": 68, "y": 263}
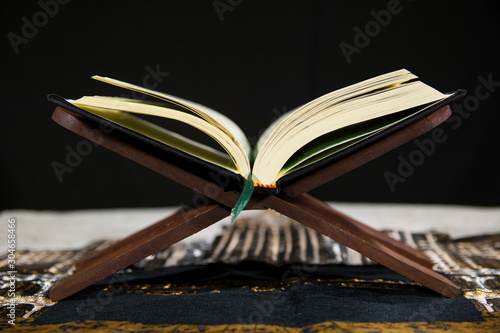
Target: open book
{"x": 298, "y": 139}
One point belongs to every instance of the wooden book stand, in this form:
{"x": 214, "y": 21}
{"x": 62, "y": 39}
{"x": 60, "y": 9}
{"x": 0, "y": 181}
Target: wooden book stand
{"x": 292, "y": 202}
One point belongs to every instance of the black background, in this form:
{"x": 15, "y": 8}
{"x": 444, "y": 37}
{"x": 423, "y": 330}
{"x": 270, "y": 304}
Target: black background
{"x": 250, "y": 61}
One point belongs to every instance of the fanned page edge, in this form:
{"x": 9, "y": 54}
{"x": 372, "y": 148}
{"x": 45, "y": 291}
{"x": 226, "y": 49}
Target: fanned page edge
{"x": 222, "y": 176}
{"x": 338, "y": 95}
{"x": 310, "y": 169}
{"x": 354, "y": 111}
{"x": 217, "y": 119}
{"x": 268, "y": 163}
{"x": 119, "y": 111}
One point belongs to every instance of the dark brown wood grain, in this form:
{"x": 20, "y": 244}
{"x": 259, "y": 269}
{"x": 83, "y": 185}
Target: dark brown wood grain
{"x": 404, "y": 260}
{"x": 185, "y": 222}
{"x": 292, "y": 202}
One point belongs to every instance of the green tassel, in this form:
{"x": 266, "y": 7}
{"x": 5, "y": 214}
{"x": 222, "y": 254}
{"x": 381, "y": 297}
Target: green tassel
{"x": 245, "y": 196}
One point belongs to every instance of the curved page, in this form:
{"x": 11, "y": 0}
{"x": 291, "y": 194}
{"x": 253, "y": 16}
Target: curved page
{"x": 116, "y": 109}
{"x": 330, "y": 114}
{"x": 299, "y": 115}
{"x": 230, "y": 128}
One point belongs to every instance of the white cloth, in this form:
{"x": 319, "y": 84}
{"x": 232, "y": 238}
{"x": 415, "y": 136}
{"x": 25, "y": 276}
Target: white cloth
{"x": 75, "y": 229}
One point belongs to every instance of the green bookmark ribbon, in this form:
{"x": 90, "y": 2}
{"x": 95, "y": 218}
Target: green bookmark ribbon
{"x": 245, "y": 196}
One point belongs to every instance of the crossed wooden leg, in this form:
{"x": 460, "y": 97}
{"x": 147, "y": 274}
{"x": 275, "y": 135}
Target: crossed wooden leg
{"x": 375, "y": 245}
{"x": 305, "y": 209}
{"x": 185, "y": 222}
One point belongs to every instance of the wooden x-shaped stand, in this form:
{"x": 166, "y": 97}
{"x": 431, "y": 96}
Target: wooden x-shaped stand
{"x": 292, "y": 202}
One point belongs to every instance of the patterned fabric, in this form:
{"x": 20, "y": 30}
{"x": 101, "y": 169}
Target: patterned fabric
{"x": 272, "y": 239}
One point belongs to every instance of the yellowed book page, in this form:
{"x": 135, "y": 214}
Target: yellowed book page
{"x": 115, "y": 104}
{"x": 275, "y": 153}
{"x": 167, "y": 137}
{"x": 275, "y": 132}
{"x": 213, "y": 117}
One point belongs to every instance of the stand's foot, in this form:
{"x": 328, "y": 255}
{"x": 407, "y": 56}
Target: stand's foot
{"x": 185, "y": 222}
{"x": 375, "y": 245}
